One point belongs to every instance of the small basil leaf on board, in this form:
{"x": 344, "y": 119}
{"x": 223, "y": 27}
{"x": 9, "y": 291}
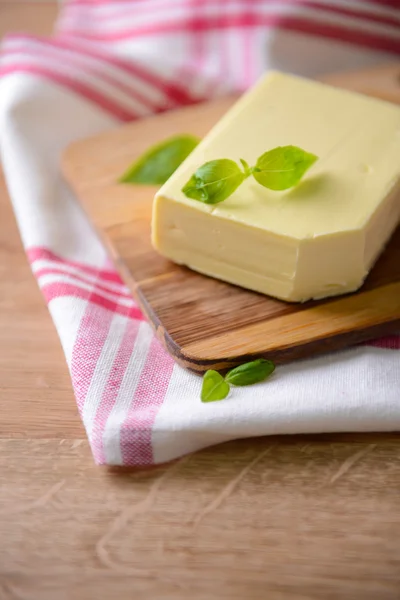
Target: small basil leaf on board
{"x": 282, "y": 167}
{"x": 214, "y": 181}
{"x": 160, "y": 161}
{"x": 251, "y": 372}
{"x": 214, "y": 387}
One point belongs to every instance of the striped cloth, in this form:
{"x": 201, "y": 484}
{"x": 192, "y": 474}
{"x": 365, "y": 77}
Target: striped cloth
{"x": 114, "y": 61}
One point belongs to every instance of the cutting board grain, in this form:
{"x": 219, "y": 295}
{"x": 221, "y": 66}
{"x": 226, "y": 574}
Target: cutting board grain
{"x": 205, "y": 323}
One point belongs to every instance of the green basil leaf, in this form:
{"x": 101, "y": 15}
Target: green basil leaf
{"x": 214, "y": 387}
{"x": 214, "y": 181}
{"x": 251, "y": 372}
{"x": 282, "y": 167}
{"x": 160, "y": 161}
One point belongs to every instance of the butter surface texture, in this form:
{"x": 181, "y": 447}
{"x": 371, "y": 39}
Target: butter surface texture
{"x": 317, "y": 239}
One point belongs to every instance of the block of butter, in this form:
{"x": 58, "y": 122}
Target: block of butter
{"x": 318, "y": 239}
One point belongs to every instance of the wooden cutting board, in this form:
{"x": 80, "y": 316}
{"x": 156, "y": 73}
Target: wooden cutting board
{"x": 205, "y": 323}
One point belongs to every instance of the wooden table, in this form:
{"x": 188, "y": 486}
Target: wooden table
{"x": 271, "y": 519}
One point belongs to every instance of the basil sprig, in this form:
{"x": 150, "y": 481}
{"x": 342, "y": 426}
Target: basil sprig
{"x": 278, "y": 169}
{"x": 216, "y": 387}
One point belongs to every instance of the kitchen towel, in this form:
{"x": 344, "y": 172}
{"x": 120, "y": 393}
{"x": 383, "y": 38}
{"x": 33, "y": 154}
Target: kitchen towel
{"x": 113, "y": 61}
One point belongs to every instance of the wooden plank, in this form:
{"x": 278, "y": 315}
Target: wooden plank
{"x": 305, "y": 519}
{"x": 35, "y": 17}
{"x": 205, "y": 323}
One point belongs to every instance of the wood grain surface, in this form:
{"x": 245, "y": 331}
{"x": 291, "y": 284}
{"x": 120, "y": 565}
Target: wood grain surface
{"x": 307, "y": 518}
{"x": 17, "y": 16}
{"x": 303, "y": 519}
{"x": 205, "y": 323}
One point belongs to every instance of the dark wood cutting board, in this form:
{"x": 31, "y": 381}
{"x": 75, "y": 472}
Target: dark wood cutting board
{"x": 202, "y": 322}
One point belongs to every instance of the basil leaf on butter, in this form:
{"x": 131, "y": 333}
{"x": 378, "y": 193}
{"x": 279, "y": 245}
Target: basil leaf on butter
{"x": 214, "y": 181}
{"x": 251, "y": 372}
{"x": 214, "y": 387}
{"x": 160, "y": 161}
{"x": 282, "y": 167}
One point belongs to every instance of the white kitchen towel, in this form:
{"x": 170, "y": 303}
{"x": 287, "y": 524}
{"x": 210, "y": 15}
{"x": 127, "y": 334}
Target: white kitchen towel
{"x": 111, "y": 62}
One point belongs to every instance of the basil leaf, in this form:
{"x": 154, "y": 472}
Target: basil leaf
{"x": 282, "y": 167}
{"x": 251, "y": 372}
{"x": 160, "y": 161}
{"x": 214, "y": 387}
{"x": 214, "y": 181}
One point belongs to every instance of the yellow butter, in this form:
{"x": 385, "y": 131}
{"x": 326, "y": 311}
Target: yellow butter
{"x": 318, "y": 239}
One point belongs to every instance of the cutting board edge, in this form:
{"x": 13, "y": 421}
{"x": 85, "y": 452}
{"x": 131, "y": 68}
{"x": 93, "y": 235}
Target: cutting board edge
{"x": 312, "y": 349}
